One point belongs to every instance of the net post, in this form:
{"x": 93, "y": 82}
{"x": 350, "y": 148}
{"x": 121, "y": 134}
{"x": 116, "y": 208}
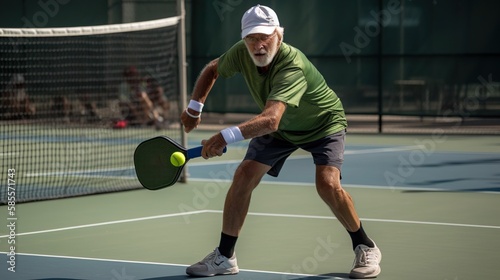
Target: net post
{"x": 380, "y": 94}
{"x": 181, "y": 35}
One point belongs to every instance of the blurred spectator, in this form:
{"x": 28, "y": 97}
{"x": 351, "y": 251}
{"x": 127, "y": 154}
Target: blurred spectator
{"x": 160, "y": 102}
{"x": 16, "y": 103}
{"x": 61, "y": 108}
{"x": 90, "y": 110}
{"x": 135, "y": 105}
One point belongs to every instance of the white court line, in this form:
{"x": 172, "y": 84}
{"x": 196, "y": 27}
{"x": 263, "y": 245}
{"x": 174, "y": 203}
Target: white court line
{"x": 81, "y": 173}
{"x": 109, "y": 223}
{"x": 375, "y": 187}
{"x": 372, "y": 187}
{"x": 346, "y": 152}
{"x": 78, "y": 172}
{"x": 215, "y": 162}
{"x": 208, "y": 163}
{"x": 155, "y": 263}
{"x": 251, "y": 214}
{"x": 364, "y": 219}
{"x": 383, "y": 150}
{"x": 379, "y": 220}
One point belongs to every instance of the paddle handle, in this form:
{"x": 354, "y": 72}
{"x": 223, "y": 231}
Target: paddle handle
{"x": 196, "y": 152}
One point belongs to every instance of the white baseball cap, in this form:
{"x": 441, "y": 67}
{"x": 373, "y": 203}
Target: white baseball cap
{"x": 259, "y": 19}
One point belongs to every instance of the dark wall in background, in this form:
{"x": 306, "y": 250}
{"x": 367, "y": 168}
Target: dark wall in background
{"x": 417, "y": 57}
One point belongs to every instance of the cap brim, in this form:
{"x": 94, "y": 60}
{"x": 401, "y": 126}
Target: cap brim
{"x": 268, "y": 30}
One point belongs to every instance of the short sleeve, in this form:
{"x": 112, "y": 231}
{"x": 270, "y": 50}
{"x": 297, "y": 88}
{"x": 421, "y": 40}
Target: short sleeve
{"x": 229, "y": 63}
{"x": 289, "y": 86}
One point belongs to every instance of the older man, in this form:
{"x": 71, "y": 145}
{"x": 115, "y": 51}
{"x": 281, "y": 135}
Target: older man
{"x": 299, "y": 110}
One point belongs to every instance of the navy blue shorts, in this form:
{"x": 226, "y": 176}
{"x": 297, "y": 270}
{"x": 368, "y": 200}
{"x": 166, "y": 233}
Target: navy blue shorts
{"x": 274, "y": 152}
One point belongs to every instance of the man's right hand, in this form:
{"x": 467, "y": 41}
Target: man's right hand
{"x": 190, "y": 123}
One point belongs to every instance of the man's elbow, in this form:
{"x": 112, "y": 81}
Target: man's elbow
{"x": 212, "y": 67}
{"x": 273, "y": 123}
{"x": 273, "y": 114}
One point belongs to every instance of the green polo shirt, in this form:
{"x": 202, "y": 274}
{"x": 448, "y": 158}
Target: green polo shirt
{"x": 313, "y": 109}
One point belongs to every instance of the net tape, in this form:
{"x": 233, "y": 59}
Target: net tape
{"x": 88, "y": 30}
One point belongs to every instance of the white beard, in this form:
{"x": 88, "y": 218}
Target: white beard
{"x": 267, "y": 56}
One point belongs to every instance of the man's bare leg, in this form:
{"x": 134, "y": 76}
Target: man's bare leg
{"x": 246, "y": 179}
{"x": 340, "y": 202}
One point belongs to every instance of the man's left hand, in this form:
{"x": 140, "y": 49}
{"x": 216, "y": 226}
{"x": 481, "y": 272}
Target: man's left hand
{"x": 213, "y": 146}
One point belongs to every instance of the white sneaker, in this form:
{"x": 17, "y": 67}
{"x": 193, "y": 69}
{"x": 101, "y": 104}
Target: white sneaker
{"x": 366, "y": 262}
{"x": 214, "y": 264}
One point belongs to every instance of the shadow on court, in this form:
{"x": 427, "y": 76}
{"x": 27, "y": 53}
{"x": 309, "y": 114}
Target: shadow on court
{"x": 464, "y": 162}
{"x": 454, "y": 191}
{"x": 71, "y": 268}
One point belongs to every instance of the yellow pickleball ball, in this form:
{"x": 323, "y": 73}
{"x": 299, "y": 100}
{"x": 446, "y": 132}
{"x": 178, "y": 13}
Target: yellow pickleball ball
{"x": 177, "y": 159}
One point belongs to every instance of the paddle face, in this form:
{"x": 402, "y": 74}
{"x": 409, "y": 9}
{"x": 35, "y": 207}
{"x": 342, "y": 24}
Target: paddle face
{"x": 152, "y": 162}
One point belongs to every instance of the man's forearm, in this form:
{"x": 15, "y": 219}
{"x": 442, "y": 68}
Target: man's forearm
{"x": 264, "y": 123}
{"x": 205, "y": 82}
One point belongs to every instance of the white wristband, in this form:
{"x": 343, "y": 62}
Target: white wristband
{"x": 232, "y": 134}
{"x": 195, "y": 105}
{"x": 193, "y": 116}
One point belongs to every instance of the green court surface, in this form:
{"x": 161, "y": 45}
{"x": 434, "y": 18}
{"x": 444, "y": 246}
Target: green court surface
{"x": 431, "y": 203}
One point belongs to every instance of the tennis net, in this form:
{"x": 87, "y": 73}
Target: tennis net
{"x": 75, "y": 102}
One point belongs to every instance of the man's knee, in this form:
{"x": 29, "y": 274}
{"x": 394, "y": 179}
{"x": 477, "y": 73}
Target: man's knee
{"x": 249, "y": 173}
{"x": 328, "y": 178}
{"x": 330, "y": 187}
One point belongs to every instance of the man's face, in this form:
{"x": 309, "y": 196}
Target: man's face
{"x": 262, "y": 48}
